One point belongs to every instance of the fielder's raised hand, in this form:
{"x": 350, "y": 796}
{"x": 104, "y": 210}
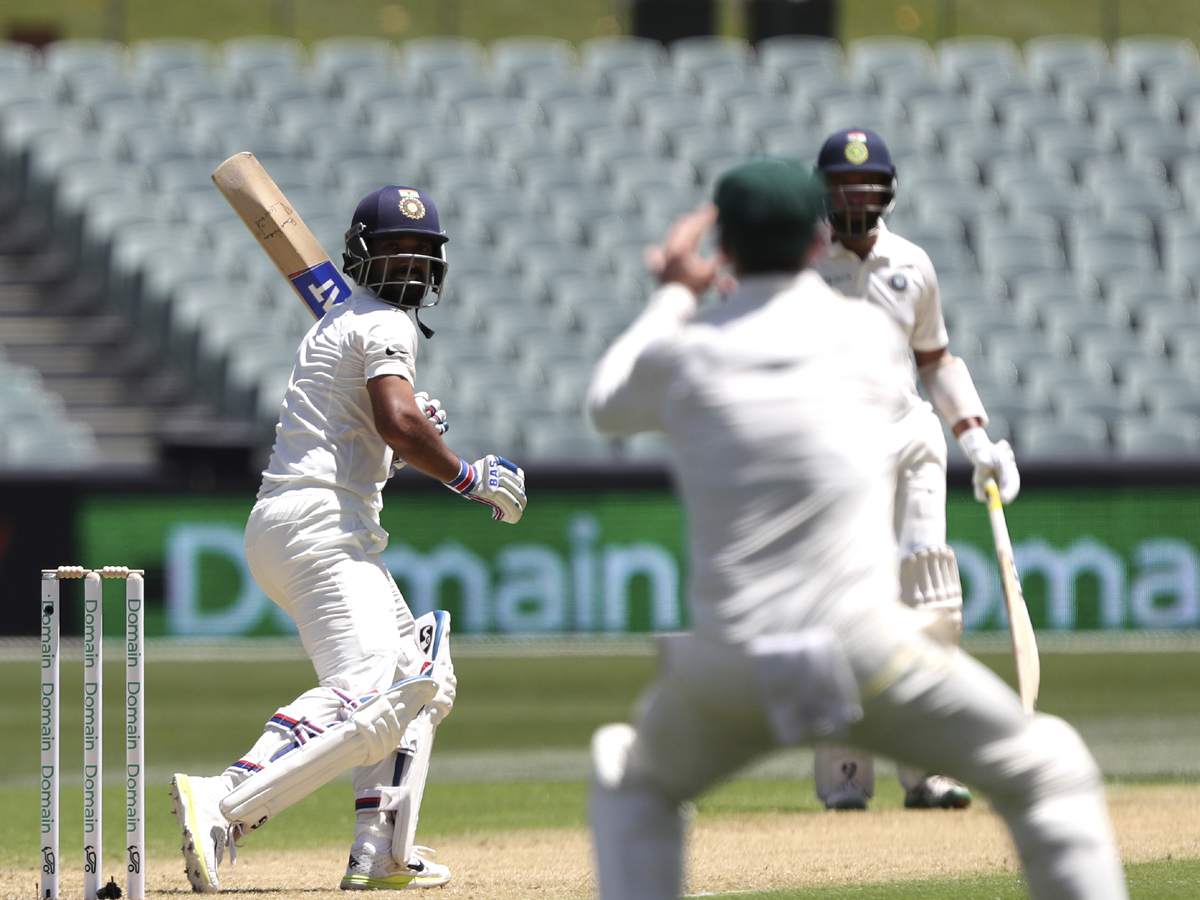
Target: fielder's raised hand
{"x": 495, "y": 481}
{"x": 677, "y": 259}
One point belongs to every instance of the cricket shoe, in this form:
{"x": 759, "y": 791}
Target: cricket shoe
{"x": 847, "y": 795}
{"x": 206, "y": 832}
{"x": 938, "y": 792}
{"x": 373, "y": 871}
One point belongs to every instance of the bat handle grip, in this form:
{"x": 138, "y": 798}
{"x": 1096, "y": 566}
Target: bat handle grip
{"x": 992, "y": 492}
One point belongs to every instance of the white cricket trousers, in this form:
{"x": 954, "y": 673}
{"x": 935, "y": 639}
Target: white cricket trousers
{"x": 924, "y": 704}
{"x": 919, "y": 520}
{"x": 318, "y": 559}
{"x": 919, "y": 453}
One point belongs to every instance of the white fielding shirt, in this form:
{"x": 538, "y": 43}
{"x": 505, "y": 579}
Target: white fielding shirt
{"x": 776, "y": 405}
{"x": 326, "y": 434}
{"x": 898, "y": 277}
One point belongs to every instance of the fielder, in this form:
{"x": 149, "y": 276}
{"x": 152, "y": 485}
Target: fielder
{"x": 313, "y": 543}
{"x": 778, "y": 406}
{"x": 868, "y": 262}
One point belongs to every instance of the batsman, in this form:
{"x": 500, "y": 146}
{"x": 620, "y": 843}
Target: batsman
{"x": 349, "y": 418}
{"x": 868, "y": 262}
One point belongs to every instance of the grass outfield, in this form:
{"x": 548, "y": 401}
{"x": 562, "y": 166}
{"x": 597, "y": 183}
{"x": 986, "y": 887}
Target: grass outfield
{"x": 486, "y": 20}
{"x": 511, "y": 760}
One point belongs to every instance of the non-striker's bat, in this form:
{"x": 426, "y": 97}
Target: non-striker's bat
{"x": 1025, "y": 651}
{"x": 281, "y": 232}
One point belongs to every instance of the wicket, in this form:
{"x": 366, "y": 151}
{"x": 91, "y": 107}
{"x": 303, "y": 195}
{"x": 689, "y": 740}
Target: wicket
{"x": 93, "y": 734}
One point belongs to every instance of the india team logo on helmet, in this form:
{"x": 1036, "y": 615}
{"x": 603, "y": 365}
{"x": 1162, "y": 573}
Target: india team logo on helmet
{"x": 410, "y": 204}
{"x": 856, "y": 151}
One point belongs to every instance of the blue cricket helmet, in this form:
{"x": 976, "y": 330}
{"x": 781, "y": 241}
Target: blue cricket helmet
{"x": 395, "y": 209}
{"x": 856, "y": 209}
{"x": 405, "y": 280}
{"x": 855, "y": 150}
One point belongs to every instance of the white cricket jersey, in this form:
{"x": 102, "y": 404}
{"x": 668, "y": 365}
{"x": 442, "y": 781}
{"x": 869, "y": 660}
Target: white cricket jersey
{"x": 777, "y": 406}
{"x": 326, "y": 434}
{"x": 897, "y": 276}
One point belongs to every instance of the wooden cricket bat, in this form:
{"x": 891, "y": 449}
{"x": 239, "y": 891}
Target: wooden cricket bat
{"x": 281, "y": 232}
{"x": 1024, "y": 642}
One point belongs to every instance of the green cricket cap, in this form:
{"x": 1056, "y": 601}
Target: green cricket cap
{"x": 768, "y": 210}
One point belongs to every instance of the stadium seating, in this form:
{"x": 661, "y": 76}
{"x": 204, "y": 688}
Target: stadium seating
{"x": 1056, "y": 186}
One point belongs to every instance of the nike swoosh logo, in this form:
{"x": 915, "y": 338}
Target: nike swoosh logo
{"x": 391, "y": 351}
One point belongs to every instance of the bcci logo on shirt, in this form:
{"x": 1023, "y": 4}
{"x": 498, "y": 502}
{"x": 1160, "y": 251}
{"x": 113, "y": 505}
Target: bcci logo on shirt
{"x": 856, "y": 148}
{"x": 411, "y": 205}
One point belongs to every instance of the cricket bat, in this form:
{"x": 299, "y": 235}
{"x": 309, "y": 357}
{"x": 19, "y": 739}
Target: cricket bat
{"x": 281, "y": 232}
{"x": 1024, "y": 642}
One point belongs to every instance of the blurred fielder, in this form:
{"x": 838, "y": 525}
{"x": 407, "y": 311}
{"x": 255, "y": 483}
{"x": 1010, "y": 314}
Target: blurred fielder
{"x": 779, "y": 406}
{"x": 868, "y": 262}
{"x": 313, "y": 542}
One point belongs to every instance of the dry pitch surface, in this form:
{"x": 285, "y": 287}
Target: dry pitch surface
{"x": 726, "y": 854}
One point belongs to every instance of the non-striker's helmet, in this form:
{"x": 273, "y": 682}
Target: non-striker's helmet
{"x": 857, "y": 208}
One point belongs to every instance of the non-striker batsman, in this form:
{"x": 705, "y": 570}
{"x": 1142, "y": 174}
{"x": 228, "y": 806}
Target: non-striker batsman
{"x": 313, "y": 544}
{"x": 868, "y": 262}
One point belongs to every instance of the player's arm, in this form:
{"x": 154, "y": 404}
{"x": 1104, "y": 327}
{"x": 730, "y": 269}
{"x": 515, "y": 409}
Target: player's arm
{"x": 414, "y": 438}
{"x": 629, "y": 384}
{"x": 405, "y": 428}
{"x": 953, "y": 392}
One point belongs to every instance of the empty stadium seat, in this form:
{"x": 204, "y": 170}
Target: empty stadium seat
{"x": 1082, "y": 96}
{"x": 690, "y": 55}
{"x": 966, "y": 58}
{"x": 603, "y": 56}
{"x": 1173, "y": 91}
{"x": 1106, "y": 353}
{"x": 1175, "y": 439}
{"x": 428, "y": 59}
{"x": 339, "y": 61}
{"x": 1048, "y": 55}
{"x": 1137, "y": 58}
{"x": 57, "y": 446}
{"x": 565, "y": 441}
{"x": 1052, "y": 440}
{"x": 74, "y": 55}
{"x": 870, "y": 59}
{"x": 260, "y": 53}
{"x": 512, "y": 56}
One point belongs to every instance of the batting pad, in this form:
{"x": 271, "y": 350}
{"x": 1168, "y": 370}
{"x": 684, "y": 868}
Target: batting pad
{"x": 375, "y": 726}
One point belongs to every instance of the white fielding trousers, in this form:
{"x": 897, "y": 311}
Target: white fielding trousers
{"x": 924, "y": 704}
{"x": 319, "y": 561}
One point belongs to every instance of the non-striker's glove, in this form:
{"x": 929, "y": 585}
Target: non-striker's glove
{"x": 991, "y": 461}
{"x": 495, "y": 481}
{"x": 437, "y": 418}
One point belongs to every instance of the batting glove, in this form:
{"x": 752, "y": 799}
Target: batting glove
{"x": 443, "y": 701}
{"x": 437, "y": 418}
{"x": 495, "y": 481}
{"x": 433, "y": 411}
{"x": 991, "y": 461}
